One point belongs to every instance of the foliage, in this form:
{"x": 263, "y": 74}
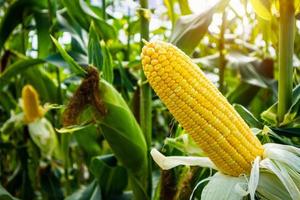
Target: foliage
{"x": 51, "y": 44}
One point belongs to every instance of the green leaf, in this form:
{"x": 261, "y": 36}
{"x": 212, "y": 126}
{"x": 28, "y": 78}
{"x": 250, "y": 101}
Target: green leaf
{"x": 129, "y": 148}
{"x": 44, "y": 136}
{"x": 270, "y": 115}
{"x": 251, "y": 75}
{"x": 15, "y": 14}
{"x": 74, "y": 128}
{"x": 247, "y": 116}
{"x": 16, "y": 68}
{"x": 44, "y": 84}
{"x": 81, "y": 13}
{"x": 94, "y": 48}
{"x": 171, "y": 12}
{"x": 288, "y": 132}
{"x": 77, "y": 68}
{"x": 190, "y": 29}
{"x": 88, "y": 139}
{"x": 262, "y": 8}
{"x": 125, "y": 137}
{"x": 71, "y": 26}
{"x": 50, "y": 184}
{"x": 105, "y": 30}
{"x": 43, "y": 27}
{"x": 91, "y": 192}
{"x": 270, "y": 186}
{"x": 57, "y": 60}
{"x": 223, "y": 187}
{"x": 85, "y": 7}
{"x": 107, "y": 69}
{"x": 125, "y": 82}
{"x": 7, "y": 101}
{"x": 184, "y": 7}
{"x": 76, "y": 13}
{"x": 243, "y": 94}
{"x": 4, "y": 195}
{"x": 113, "y": 179}
{"x": 15, "y": 122}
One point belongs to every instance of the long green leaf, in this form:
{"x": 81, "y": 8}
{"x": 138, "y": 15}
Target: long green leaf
{"x": 76, "y": 13}
{"x": 91, "y": 192}
{"x": 16, "y": 68}
{"x": 109, "y": 174}
{"x": 43, "y": 26}
{"x": 190, "y": 29}
{"x": 4, "y": 195}
{"x": 13, "y": 17}
{"x": 107, "y": 69}
{"x": 248, "y": 117}
{"x": 45, "y": 86}
{"x": 77, "y": 68}
{"x": 94, "y": 49}
{"x": 125, "y": 137}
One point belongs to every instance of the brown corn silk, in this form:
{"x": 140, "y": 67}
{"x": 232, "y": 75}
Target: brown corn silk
{"x": 87, "y": 94}
{"x": 200, "y": 108}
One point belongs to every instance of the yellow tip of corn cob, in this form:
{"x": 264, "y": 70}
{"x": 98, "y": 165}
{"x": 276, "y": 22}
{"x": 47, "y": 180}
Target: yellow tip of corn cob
{"x": 31, "y": 104}
{"x": 200, "y": 108}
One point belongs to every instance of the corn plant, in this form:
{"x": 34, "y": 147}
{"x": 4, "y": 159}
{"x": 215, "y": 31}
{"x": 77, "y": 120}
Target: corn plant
{"x": 161, "y": 100}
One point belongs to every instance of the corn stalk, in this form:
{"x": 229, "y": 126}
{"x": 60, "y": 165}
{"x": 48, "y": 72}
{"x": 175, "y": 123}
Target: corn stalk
{"x": 286, "y": 51}
{"x": 145, "y": 91}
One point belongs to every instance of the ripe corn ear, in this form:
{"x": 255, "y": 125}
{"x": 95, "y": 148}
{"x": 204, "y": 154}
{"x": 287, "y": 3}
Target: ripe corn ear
{"x": 31, "y": 104}
{"x": 200, "y": 108}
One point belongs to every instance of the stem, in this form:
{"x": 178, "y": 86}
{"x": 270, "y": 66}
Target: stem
{"x": 65, "y": 150}
{"x": 59, "y": 93}
{"x": 286, "y": 51}
{"x": 103, "y": 9}
{"x": 146, "y": 96}
{"x": 145, "y": 92}
{"x": 222, "y": 61}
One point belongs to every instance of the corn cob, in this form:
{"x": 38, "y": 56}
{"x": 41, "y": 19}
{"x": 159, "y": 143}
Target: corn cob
{"x": 200, "y": 108}
{"x": 31, "y": 104}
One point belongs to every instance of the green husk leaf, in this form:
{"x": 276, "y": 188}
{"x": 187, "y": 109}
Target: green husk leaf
{"x": 224, "y": 187}
{"x": 73, "y": 128}
{"x": 283, "y": 175}
{"x": 120, "y": 127}
{"x": 44, "y": 136}
{"x": 125, "y": 137}
{"x": 168, "y": 162}
{"x": 271, "y": 188}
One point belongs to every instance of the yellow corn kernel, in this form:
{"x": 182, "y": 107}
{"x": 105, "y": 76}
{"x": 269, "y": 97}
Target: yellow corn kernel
{"x": 201, "y": 109}
{"x": 31, "y": 104}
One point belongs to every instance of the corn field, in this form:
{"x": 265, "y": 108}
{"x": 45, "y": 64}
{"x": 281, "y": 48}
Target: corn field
{"x": 150, "y": 100}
